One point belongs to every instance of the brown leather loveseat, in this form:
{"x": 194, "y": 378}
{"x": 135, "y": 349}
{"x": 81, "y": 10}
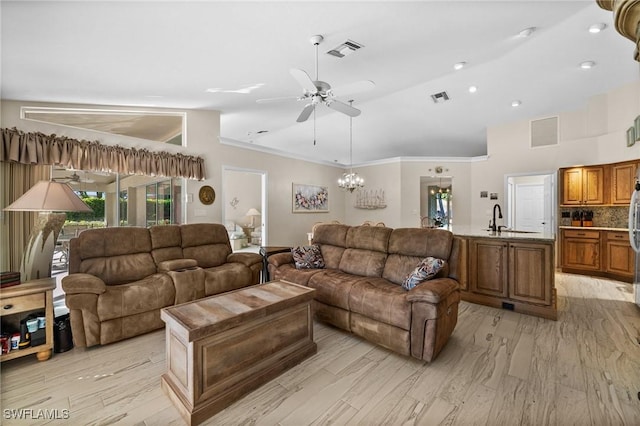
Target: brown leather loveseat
{"x": 359, "y": 289}
{"x": 120, "y": 278}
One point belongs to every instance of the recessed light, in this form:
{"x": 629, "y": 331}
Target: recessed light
{"x": 526, "y": 32}
{"x": 587, "y": 65}
{"x": 516, "y": 103}
{"x": 596, "y": 28}
{"x": 459, "y": 65}
{"x": 473, "y": 89}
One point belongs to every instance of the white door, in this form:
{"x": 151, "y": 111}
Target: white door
{"x": 530, "y": 207}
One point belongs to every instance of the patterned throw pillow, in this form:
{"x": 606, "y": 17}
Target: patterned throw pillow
{"x": 308, "y": 257}
{"x": 426, "y": 269}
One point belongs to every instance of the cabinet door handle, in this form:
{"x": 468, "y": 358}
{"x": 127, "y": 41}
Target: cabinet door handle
{"x": 582, "y": 234}
{"x": 618, "y": 236}
{"x": 7, "y": 307}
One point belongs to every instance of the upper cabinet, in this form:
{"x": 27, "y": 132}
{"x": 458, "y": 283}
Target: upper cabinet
{"x": 623, "y": 178}
{"x": 604, "y": 184}
{"x": 583, "y": 186}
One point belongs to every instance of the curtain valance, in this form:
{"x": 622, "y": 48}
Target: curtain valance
{"x": 41, "y": 149}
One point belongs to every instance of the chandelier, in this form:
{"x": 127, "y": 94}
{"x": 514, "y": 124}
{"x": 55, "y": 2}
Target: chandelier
{"x": 350, "y": 181}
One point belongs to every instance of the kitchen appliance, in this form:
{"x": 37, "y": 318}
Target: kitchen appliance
{"x": 634, "y": 236}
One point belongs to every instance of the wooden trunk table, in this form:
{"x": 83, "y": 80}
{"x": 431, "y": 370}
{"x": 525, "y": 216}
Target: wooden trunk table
{"x": 221, "y": 347}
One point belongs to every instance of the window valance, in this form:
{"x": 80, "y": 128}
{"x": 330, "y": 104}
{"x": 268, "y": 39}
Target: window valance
{"x": 41, "y": 149}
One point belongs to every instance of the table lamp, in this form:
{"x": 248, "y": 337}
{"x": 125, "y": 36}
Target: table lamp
{"x": 253, "y": 213}
{"x": 51, "y": 199}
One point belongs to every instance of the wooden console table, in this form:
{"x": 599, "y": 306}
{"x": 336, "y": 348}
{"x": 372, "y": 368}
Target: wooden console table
{"x": 221, "y": 347}
{"x": 18, "y": 301}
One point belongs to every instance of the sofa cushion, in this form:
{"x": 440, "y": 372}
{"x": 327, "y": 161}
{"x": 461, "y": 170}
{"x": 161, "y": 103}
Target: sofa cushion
{"x": 382, "y": 301}
{"x": 226, "y": 277}
{"x": 332, "y": 239}
{"x": 207, "y": 243}
{"x": 365, "y": 263}
{"x": 290, "y": 273}
{"x": 308, "y": 257}
{"x": 421, "y": 242}
{"x": 333, "y": 287}
{"x": 166, "y": 242}
{"x": 426, "y": 269}
{"x": 116, "y": 270}
{"x": 374, "y": 238}
{"x": 152, "y": 293}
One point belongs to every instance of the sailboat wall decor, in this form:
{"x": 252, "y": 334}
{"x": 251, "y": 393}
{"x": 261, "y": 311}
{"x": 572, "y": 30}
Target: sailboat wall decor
{"x": 370, "y": 199}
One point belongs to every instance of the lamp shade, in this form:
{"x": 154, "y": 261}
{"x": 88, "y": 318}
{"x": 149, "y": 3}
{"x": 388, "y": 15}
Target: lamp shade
{"x": 253, "y": 212}
{"x": 49, "y": 196}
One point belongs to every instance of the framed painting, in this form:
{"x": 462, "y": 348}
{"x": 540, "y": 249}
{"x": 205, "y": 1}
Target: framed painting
{"x": 631, "y": 136}
{"x": 637, "y": 128}
{"x": 310, "y": 198}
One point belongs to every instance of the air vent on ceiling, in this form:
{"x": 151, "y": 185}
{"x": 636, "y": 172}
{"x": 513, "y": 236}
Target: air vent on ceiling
{"x": 440, "y": 97}
{"x": 544, "y": 132}
{"x": 346, "y": 48}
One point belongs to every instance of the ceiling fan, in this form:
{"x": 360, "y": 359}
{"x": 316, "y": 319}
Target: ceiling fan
{"x": 75, "y": 179}
{"x": 320, "y": 92}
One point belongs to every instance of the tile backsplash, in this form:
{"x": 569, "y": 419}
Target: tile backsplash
{"x": 603, "y": 216}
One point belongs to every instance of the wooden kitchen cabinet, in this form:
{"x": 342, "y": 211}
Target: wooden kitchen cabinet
{"x": 581, "y": 249}
{"x": 531, "y": 272}
{"x": 619, "y": 256}
{"x": 583, "y": 186}
{"x": 623, "y": 179}
{"x": 512, "y": 274}
{"x": 488, "y": 271}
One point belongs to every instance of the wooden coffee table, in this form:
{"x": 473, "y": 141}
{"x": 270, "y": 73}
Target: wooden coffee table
{"x": 221, "y": 347}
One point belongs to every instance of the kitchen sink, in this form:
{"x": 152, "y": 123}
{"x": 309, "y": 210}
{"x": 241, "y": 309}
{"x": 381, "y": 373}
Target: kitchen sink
{"x": 513, "y": 231}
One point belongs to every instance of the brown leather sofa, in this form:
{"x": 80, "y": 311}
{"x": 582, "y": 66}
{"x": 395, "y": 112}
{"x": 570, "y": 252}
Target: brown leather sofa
{"x": 120, "y": 278}
{"x": 360, "y": 291}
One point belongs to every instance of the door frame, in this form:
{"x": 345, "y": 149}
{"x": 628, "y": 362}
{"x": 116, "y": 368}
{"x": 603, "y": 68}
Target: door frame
{"x": 552, "y": 208}
{"x": 264, "y": 198}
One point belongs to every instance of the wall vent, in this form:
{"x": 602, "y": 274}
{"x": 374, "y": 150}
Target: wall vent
{"x": 346, "y": 48}
{"x": 544, "y": 132}
{"x": 440, "y": 97}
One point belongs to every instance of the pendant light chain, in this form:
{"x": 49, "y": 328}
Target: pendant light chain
{"x": 350, "y": 181}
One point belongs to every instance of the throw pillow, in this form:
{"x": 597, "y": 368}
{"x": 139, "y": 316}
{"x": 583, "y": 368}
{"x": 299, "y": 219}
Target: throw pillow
{"x": 426, "y": 269}
{"x": 308, "y": 257}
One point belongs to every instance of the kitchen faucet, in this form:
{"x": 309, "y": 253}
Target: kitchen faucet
{"x": 493, "y": 224}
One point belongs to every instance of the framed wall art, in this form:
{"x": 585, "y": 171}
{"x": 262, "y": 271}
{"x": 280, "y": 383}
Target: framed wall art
{"x": 631, "y": 136}
{"x": 636, "y": 126}
{"x": 310, "y": 198}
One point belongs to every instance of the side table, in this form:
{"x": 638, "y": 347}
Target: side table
{"x": 265, "y": 252}
{"x": 17, "y": 302}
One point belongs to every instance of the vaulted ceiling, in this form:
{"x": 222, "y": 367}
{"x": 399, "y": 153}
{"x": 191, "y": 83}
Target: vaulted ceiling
{"x": 225, "y": 55}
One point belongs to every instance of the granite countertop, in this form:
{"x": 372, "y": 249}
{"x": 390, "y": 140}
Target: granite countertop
{"x": 479, "y": 232}
{"x": 595, "y": 228}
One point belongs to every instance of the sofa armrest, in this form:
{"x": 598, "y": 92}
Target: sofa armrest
{"x": 280, "y": 259}
{"x": 433, "y": 291}
{"x": 247, "y": 259}
{"x": 176, "y": 265}
{"x": 83, "y": 283}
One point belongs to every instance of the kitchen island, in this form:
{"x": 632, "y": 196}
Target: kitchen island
{"x": 512, "y": 270}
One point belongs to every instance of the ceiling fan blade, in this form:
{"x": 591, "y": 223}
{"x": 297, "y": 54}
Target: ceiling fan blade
{"x": 343, "y": 108}
{"x": 355, "y": 87}
{"x": 284, "y": 98}
{"x": 304, "y": 80}
{"x": 306, "y": 112}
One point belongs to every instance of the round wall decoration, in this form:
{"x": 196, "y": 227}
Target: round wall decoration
{"x": 207, "y": 195}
